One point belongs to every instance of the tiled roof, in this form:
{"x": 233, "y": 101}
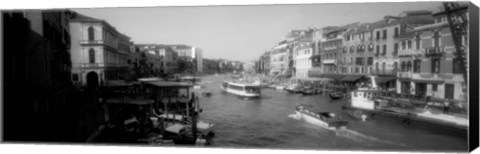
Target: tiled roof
{"x": 80, "y": 17}
{"x": 413, "y": 18}
{"x": 77, "y": 17}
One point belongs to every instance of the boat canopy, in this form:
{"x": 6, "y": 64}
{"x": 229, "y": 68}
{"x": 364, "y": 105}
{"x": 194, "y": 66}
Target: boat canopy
{"x": 149, "y": 79}
{"x": 244, "y": 84}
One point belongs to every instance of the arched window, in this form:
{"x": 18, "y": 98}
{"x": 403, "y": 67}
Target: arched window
{"x": 377, "y": 68}
{"x": 91, "y": 34}
{"x": 91, "y": 55}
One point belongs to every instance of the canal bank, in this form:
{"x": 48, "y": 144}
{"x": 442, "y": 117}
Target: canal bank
{"x": 268, "y": 122}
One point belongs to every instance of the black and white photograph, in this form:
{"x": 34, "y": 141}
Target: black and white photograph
{"x": 357, "y": 76}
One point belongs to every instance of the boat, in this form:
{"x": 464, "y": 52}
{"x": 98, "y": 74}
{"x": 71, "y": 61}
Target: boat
{"x": 241, "y": 89}
{"x": 206, "y": 93}
{"x": 307, "y": 91}
{"x": 335, "y": 95}
{"x": 293, "y": 88}
{"x": 178, "y": 109}
{"x": 323, "y": 119}
{"x": 280, "y": 87}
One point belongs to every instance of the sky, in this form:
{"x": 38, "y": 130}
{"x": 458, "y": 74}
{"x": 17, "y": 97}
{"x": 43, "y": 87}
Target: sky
{"x": 239, "y": 32}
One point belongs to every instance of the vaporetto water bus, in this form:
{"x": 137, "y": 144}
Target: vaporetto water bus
{"x": 241, "y": 89}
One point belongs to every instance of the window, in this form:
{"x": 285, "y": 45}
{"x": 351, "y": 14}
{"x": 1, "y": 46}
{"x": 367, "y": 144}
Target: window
{"x": 409, "y": 44}
{"x": 403, "y": 66}
{"x": 417, "y": 42}
{"x": 384, "y": 66}
{"x": 352, "y": 49}
{"x": 395, "y": 49}
{"x": 417, "y": 65}
{"x": 384, "y": 33}
{"x": 378, "y": 35}
{"x": 91, "y": 34}
{"x": 395, "y": 32}
{"x": 404, "y": 45}
{"x": 434, "y": 87}
{"x": 370, "y": 61}
{"x": 91, "y": 55}
{"x": 436, "y": 39}
{"x": 370, "y": 47}
{"x": 359, "y": 61}
{"x": 456, "y": 66}
{"x": 435, "y": 65}
{"x": 378, "y": 50}
{"x": 384, "y": 49}
{"x": 409, "y": 66}
{"x": 75, "y": 77}
{"x": 395, "y": 66}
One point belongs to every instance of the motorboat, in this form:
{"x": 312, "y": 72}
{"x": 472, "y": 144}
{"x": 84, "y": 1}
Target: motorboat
{"x": 242, "y": 89}
{"x": 323, "y": 119}
{"x": 335, "y": 95}
{"x": 206, "y": 93}
{"x": 307, "y": 91}
{"x": 293, "y": 88}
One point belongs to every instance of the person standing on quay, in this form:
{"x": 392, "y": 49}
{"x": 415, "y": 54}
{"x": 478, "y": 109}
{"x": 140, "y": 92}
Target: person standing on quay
{"x": 446, "y": 107}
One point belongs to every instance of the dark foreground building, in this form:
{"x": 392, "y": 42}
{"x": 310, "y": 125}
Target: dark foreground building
{"x": 40, "y": 102}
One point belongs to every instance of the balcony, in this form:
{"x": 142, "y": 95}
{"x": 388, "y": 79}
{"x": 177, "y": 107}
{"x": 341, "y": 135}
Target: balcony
{"x": 91, "y": 42}
{"x": 409, "y": 52}
{"x": 384, "y": 72}
{"x": 434, "y": 51}
{"x": 92, "y": 65}
{"x": 329, "y": 61}
{"x": 431, "y": 76}
{"x": 404, "y": 74}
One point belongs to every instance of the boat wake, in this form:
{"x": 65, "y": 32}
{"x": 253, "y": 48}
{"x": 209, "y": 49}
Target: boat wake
{"x": 359, "y": 137}
{"x": 353, "y": 135}
{"x": 310, "y": 125}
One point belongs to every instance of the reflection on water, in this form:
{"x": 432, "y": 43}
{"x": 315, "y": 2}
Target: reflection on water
{"x": 270, "y": 122}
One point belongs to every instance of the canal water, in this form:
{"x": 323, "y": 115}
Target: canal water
{"x": 269, "y": 122}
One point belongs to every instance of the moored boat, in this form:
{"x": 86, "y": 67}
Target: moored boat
{"x": 335, "y": 95}
{"x": 293, "y": 88}
{"x": 241, "y": 89}
{"x": 323, "y": 119}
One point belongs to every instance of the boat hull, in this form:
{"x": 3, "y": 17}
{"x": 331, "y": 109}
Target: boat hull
{"x": 239, "y": 93}
{"x": 317, "y": 121}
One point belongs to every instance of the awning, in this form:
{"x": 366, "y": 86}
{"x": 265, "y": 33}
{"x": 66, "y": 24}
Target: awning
{"x": 384, "y": 79}
{"x": 404, "y": 79}
{"x": 428, "y": 81}
{"x": 351, "y": 78}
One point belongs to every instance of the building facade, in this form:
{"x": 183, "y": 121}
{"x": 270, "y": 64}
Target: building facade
{"x": 99, "y": 52}
{"x": 429, "y": 65}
